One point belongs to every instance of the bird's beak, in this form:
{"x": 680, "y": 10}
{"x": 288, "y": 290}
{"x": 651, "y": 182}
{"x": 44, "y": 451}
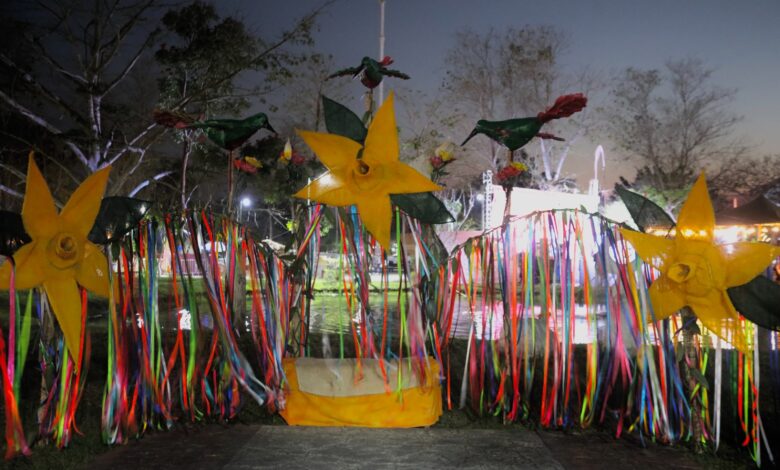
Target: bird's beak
{"x": 271, "y": 129}
{"x": 473, "y": 133}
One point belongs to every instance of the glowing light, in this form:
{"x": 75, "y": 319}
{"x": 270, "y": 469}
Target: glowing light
{"x": 246, "y": 202}
{"x": 729, "y": 235}
{"x": 185, "y": 320}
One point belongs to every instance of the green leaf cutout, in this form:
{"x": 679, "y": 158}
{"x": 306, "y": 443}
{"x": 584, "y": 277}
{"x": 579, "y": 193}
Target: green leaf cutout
{"x": 645, "y": 212}
{"x": 342, "y": 121}
{"x": 117, "y": 216}
{"x": 758, "y": 301}
{"x": 424, "y": 207}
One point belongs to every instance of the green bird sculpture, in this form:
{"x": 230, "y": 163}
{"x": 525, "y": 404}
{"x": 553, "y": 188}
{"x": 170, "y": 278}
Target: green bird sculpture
{"x": 515, "y": 133}
{"x": 371, "y": 72}
{"x": 232, "y": 133}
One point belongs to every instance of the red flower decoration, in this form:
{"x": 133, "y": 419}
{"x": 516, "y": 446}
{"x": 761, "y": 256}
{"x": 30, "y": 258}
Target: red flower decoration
{"x": 246, "y": 167}
{"x": 297, "y": 159}
{"x": 512, "y": 174}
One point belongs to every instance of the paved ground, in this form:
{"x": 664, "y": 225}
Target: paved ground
{"x": 257, "y": 446}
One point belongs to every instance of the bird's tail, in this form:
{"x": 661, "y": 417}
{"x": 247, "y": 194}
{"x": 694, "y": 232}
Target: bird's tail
{"x": 564, "y": 106}
{"x": 473, "y": 133}
{"x": 172, "y": 119}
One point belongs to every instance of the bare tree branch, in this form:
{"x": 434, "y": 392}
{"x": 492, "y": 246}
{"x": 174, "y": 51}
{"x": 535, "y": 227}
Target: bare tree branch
{"x": 10, "y": 191}
{"x": 148, "y": 182}
{"x": 77, "y": 79}
{"x": 115, "y": 42}
{"x": 131, "y": 63}
{"x": 51, "y": 158}
{"x": 41, "y": 122}
{"x": 131, "y": 146}
{"x": 673, "y": 122}
{"x": 13, "y": 171}
{"x": 43, "y": 91}
{"x": 286, "y": 37}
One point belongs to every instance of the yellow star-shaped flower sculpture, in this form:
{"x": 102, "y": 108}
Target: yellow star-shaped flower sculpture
{"x": 696, "y": 272}
{"x": 59, "y": 256}
{"x": 365, "y": 176}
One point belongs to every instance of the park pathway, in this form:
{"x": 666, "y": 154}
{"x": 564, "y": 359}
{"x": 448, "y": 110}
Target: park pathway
{"x": 247, "y": 447}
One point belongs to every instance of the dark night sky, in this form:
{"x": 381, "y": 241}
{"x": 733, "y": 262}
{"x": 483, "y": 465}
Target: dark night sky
{"x": 739, "y": 39}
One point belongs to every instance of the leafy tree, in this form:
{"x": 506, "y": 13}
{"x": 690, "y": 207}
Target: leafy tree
{"x": 81, "y": 64}
{"x": 207, "y": 62}
{"x": 675, "y": 123}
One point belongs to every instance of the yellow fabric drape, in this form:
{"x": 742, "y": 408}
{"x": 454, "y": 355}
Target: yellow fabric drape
{"x": 416, "y": 406}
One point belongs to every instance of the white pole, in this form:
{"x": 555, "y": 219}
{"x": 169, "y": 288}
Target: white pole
{"x": 487, "y": 203}
{"x": 593, "y": 190}
{"x": 381, "y": 46}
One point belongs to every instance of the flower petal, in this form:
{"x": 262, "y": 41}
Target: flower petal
{"x": 716, "y": 312}
{"x": 666, "y": 297}
{"x": 405, "y": 179}
{"x": 82, "y": 208}
{"x": 697, "y": 217}
{"x": 330, "y": 189}
{"x": 382, "y": 138}
{"x": 745, "y": 260}
{"x": 653, "y": 250}
{"x": 29, "y": 268}
{"x": 92, "y": 273}
{"x": 377, "y": 217}
{"x": 63, "y": 294}
{"x": 334, "y": 151}
{"x": 38, "y": 211}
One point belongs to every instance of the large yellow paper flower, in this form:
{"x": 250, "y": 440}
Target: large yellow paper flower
{"x": 60, "y": 257}
{"x": 696, "y": 272}
{"x": 364, "y": 175}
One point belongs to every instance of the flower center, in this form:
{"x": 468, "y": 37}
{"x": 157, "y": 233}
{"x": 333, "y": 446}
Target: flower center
{"x": 366, "y": 177}
{"x": 64, "y": 250}
{"x": 680, "y": 272}
{"x": 66, "y": 247}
